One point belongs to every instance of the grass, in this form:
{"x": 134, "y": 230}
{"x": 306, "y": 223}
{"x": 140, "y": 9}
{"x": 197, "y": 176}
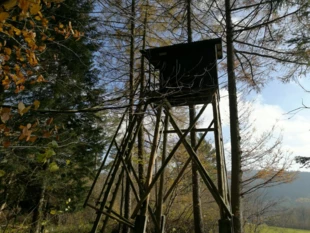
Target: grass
{"x": 85, "y": 228}
{"x": 269, "y": 229}
{"x": 82, "y": 228}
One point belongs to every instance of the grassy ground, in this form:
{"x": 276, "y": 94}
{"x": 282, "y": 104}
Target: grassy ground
{"x": 268, "y": 229}
{"x": 86, "y": 229}
{"x": 51, "y": 229}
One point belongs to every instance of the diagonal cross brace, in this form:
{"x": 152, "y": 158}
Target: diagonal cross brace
{"x": 204, "y": 174}
{"x": 180, "y": 175}
{"x": 160, "y": 171}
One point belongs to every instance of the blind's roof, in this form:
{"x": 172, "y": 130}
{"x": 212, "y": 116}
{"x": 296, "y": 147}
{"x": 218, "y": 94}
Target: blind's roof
{"x": 155, "y": 55}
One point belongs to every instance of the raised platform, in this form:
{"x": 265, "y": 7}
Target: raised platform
{"x": 187, "y": 72}
{"x": 182, "y": 98}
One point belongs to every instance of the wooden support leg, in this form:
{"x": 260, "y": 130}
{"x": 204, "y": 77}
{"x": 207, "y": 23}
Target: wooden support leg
{"x": 163, "y": 223}
{"x": 225, "y": 226}
{"x": 140, "y": 224}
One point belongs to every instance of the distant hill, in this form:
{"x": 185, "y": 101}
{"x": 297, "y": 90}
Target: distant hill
{"x": 297, "y": 191}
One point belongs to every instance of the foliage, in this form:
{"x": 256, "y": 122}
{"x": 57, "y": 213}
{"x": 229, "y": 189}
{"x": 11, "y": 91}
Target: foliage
{"x": 26, "y": 28}
{"x": 304, "y": 161}
{"x": 52, "y": 158}
{"x": 47, "y": 53}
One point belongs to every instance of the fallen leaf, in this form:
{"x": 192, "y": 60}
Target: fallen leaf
{"x": 36, "y": 104}
{"x": 6, "y": 144}
{"x": 5, "y": 114}
{"x": 21, "y": 107}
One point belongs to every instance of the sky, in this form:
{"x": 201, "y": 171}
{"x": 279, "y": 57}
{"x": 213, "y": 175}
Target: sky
{"x": 275, "y": 103}
{"x": 272, "y": 106}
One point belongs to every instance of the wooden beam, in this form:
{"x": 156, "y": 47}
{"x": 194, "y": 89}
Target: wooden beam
{"x": 205, "y": 176}
{"x": 158, "y": 174}
{"x": 176, "y": 181}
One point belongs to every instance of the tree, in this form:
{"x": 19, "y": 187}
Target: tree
{"x": 192, "y": 114}
{"x": 265, "y": 164}
{"x": 67, "y": 146}
{"x": 236, "y": 176}
{"x": 257, "y": 45}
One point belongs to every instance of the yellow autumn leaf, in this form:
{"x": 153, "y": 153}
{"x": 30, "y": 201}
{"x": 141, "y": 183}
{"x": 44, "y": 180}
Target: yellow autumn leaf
{"x": 17, "y": 31}
{"x": 24, "y": 5}
{"x": 53, "y": 212}
{"x": 36, "y": 104}
{"x": 6, "y": 82}
{"x": 44, "y": 22}
{"x": 7, "y": 51}
{"x": 37, "y": 18}
{"x": 40, "y": 79}
{"x": 21, "y": 80}
{"x": 4, "y": 16}
{"x": 19, "y": 88}
{"x": 25, "y": 110}
{"x": 8, "y": 5}
{"x": 35, "y": 8}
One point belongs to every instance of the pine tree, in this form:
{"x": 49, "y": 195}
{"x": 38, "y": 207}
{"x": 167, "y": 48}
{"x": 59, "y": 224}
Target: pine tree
{"x": 64, "y": 152}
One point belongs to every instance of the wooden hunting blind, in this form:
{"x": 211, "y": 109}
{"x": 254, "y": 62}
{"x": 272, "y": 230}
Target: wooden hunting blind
{"x": 187, "y": 72}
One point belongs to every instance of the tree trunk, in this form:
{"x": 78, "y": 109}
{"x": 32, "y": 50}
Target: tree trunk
{"x": 127, "y": 204}
{"x": 236, "y": 172}
{"x": 38, "y": 214}
{"x": 141, "y": 139}
{"x": 198, "y": 222}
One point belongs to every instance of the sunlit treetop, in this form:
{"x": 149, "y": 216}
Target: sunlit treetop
{"x": 24, "y": 31}
{"x": 27, "y": 28}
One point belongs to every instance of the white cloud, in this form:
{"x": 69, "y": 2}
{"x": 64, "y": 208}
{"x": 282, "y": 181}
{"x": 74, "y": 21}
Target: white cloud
{"x": 295, "y": 130}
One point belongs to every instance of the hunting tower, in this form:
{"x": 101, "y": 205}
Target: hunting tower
{"x": 179, "y": 75}
{"x": 187, "y": 72}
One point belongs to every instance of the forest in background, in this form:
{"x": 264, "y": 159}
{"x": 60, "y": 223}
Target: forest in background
{"x": 70, "y": 68}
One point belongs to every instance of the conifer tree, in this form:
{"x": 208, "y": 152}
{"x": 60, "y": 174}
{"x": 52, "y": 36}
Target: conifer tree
{"x": 51, "y": 173}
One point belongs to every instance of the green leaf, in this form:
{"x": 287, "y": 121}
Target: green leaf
{"x": 49, "y": 153}
{"x": 53, "y": 167}
{"x": 41, "y": 158}
{"x": 53, "y": 144}
{"x": 2, "y": 173}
